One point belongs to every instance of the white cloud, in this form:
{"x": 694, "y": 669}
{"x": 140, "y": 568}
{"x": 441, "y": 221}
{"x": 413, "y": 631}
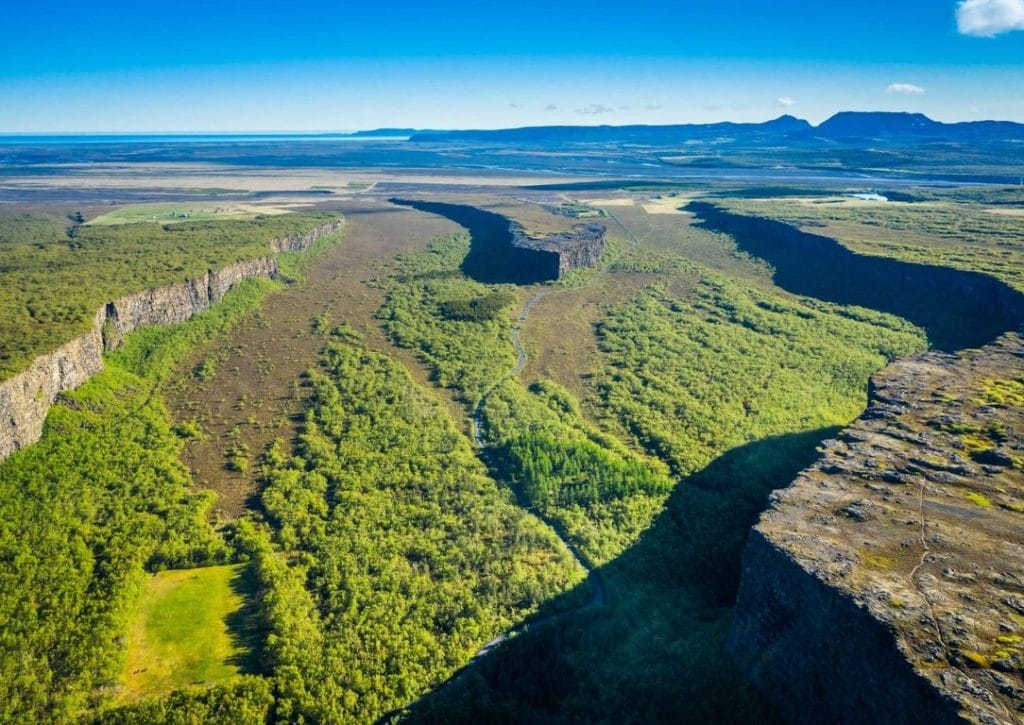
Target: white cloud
{"x": 551, "y": 107}
{"x": 785, "y": 101}
{"x": 905, "y": 89}
{"x": 594, "y": 109}
{"x": 988, "y": 18}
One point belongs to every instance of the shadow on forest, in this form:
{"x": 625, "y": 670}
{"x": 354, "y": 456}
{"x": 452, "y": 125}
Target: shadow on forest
{"x": 492, "y": 258}
{"x": 957, "y": 309}
{"x": 655, "y": 652}
{"x": 244, "y": 629}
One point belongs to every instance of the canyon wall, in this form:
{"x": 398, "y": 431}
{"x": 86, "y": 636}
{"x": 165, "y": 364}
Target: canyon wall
{"x": 177, "y": 302}
{"x": 300, "y": 242}
{"x": 503, "y": 251}
{"x": 817, "y": 654}
{"x": 885, "y": 583}
{"x": 958, "y": 308}
{"x": 25, "y": 398}
{"x": 564, "y": 251}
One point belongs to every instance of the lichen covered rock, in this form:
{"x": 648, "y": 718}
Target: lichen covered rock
{"x": 886, "y": 584}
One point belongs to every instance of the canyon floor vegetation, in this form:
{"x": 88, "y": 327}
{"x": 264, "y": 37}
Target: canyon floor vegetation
{"x": 358, "y": 478}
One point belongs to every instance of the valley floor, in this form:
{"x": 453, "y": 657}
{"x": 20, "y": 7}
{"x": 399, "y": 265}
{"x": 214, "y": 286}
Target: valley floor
{"x": 334, "y": 499}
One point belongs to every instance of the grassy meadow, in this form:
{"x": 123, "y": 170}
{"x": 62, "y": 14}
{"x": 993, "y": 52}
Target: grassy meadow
{"x": 177, "y": 213}
{"x": 187, "y": 632}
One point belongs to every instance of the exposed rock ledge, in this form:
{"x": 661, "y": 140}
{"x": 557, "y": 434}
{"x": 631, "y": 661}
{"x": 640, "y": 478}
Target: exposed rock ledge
{"x": 26, "y": 397}
{"x": 563, "y": 251}
{"x": 886, "y": 584}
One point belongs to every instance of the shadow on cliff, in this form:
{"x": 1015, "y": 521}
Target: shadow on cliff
{"x": 654, "y": 653}
{"x": 957, "y": 309}
{"x": 492, "y": 257}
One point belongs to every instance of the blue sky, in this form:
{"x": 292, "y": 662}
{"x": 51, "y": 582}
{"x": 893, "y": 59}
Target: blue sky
{"x": 112, "y": 66}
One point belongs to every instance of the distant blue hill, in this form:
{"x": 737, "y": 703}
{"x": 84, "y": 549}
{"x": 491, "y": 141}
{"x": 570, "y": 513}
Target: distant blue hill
{"x": 846, "y": 127}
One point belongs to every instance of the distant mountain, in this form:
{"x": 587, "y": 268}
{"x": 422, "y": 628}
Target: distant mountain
{"x": 867, "y": 124}
{"x": 850, "y": 125}
{"x": 639, "y": 134}
{"x": 846, "y": 127}
{"x": 388, "y": 133}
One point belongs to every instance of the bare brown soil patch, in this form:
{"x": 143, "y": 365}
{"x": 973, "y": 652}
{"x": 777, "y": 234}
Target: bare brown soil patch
{"x": 255, "y": 394}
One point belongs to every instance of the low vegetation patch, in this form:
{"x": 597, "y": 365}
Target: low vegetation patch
{"x": 101, "y": 500}
{"x": 189, "y": 630}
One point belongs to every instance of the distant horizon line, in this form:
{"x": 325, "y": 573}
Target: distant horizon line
{"x": 352, "y": 132}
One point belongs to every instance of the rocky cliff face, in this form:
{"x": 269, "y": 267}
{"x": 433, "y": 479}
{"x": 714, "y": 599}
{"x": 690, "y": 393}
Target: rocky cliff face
{"x": 958, "y": 308}
{"x": 178, "y": 302}
{"x": 886, "y": 584}
{"x": 26, "y": 398}
{"x": 563, "y": 252}
{"x": 299, "y": 242}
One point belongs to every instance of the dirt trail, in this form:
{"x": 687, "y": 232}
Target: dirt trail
{"x": 599, "y": 595}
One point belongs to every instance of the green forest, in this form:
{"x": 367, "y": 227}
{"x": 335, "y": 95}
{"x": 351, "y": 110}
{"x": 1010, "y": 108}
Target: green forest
{"x": 706, "y": 400}
{"x": 57, "y": 273}
{"x": 390, "y": 556}
{"x": 384, "y": 549}
{"x": 691, "y": 378}
{"x": 584, "y": 481}
{"x": 84, "y": 513}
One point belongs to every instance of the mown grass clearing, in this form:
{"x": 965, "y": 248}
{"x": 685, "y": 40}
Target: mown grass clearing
{"x": 176, "y": 213}
{"x": 188, "y": 632}
{"x": 669, "y": 204}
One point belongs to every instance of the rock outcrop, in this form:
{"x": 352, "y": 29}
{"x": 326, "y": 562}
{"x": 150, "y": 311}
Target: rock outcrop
{"x": 178, "y": 302}
{"x": 886, "y": 584}
{"x": 502, "y": 251}
{"x": 26, "y": 397}
{"x": 300, "y": 242}
{"x": 563, "y": 252}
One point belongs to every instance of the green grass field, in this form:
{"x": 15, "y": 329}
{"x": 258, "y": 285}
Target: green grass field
{"x": 187, "y": 632}
{"x": 171, "y": 213}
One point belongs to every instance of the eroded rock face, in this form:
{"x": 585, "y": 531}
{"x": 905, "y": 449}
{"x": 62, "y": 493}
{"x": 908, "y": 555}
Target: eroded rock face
{"x": 299, "y": 242}
{"x": 178, "y": 302}
{"x": 886, "y": 584}
{"x": 565, "y": 251}
{"x": 958, "y": 308}
{"x": 26, "y": 397}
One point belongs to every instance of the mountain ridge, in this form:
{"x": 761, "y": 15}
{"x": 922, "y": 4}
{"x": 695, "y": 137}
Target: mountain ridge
{"x": 844, "y": 126}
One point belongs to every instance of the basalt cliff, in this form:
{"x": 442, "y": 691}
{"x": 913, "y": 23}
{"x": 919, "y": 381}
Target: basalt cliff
{"x": 503, "y": 251}
{"x": 26, "y": 397}
{"x": 886, "y": 584}
{"x": 560, "y": 253}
